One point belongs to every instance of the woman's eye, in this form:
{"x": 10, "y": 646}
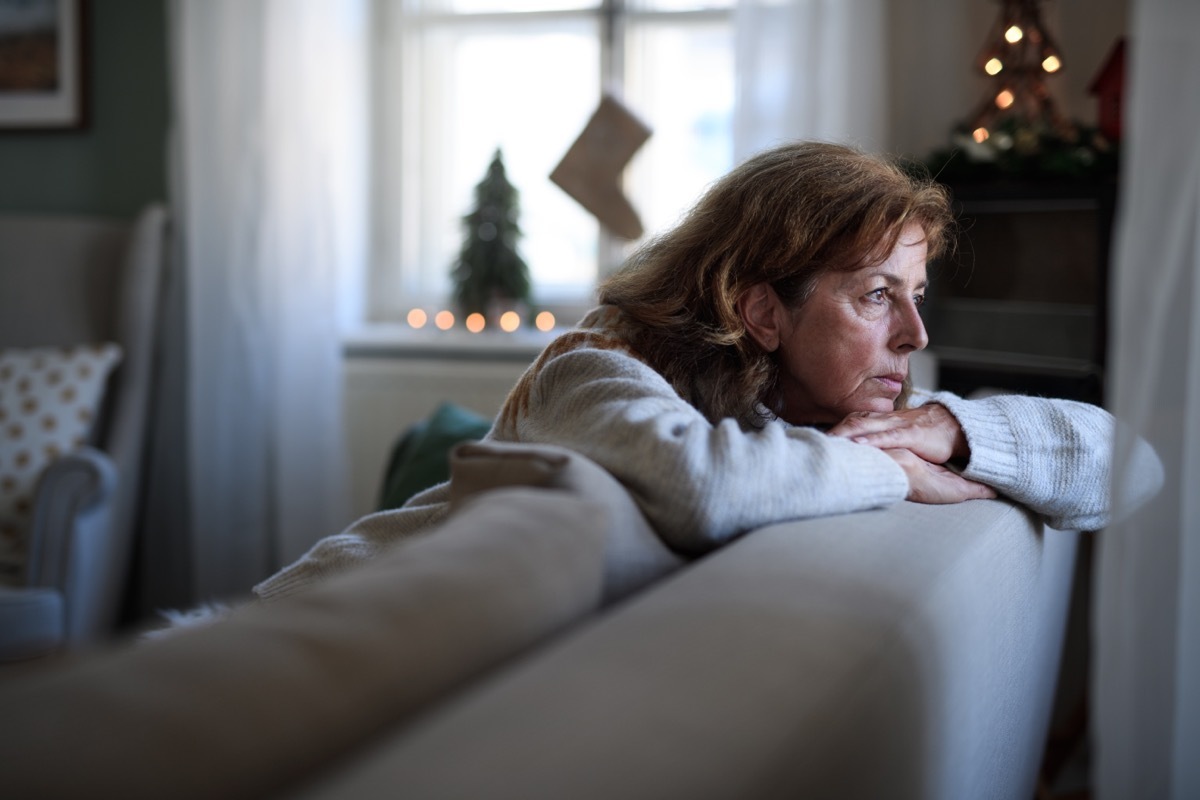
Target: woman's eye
{"x": 877, "y": 296}
{"x": 919, "y": 300}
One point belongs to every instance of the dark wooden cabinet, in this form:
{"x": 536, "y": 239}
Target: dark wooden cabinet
{"x": 1022, "y": 303}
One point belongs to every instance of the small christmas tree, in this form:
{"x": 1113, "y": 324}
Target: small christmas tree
{"x": 1017, "y": 130}
{"x": 1018, "y": 56}
{"x": 489, "y": 269}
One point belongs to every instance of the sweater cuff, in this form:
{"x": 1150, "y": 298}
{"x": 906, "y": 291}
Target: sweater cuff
{"x": 876, "y": 474}
{"x": 990, "y": 436}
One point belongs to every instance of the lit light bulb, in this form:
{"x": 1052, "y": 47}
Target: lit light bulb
{"x": 510, "y": 321}
{"x": 1014, "y": 34}
{"x": 417, "y": 318}
{"x": 544, "y": 322}
{"x": 980, "y": 135}
{"x": 444, "y": 320}
{"x": 1004, "y": 99}
{"x": 993, "y": 66}
{"x": 1051, "y": 63}
{"x": 475, "y": 322}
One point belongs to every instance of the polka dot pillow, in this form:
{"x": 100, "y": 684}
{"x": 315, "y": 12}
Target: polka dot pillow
{"x": 49, "y": 398}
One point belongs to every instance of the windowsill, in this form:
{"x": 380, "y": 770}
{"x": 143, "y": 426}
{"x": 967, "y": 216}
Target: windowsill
{"x": 392, "y": 340}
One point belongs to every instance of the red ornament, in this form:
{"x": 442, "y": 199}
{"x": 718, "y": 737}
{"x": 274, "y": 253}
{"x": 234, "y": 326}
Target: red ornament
{"x": 1109, "y": 88}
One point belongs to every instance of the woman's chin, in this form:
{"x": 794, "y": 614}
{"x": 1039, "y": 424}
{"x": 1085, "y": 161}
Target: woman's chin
{"x": 833, "y": 414}
{"x": 876, "y": 405}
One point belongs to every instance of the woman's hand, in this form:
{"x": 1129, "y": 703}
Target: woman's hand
{"x": 920, "y": 440}
{"x": 930, "y": 431}
{"x": 933, "y": 483}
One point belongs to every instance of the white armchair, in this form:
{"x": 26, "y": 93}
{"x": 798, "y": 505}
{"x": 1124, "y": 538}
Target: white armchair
{"x": 66, "y": 282}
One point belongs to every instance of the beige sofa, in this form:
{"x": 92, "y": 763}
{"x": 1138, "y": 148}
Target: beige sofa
{"x": 542, "y": 643}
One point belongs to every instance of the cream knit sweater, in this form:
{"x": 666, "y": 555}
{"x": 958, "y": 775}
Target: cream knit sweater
{"x": 701, "y": 484}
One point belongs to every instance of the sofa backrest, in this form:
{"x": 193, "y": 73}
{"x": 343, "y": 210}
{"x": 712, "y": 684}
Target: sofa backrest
{"x": 60, "y": 279}
{"x": 908, "y": 653}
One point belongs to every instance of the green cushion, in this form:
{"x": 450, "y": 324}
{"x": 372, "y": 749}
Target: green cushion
{"x": 421, "y": 458}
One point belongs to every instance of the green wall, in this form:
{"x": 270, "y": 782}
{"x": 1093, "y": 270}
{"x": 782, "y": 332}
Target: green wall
{"x": 117, "y": 162}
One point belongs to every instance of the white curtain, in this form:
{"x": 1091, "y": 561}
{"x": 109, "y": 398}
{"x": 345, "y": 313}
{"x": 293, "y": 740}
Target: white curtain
{"x": 810, "y": 69}
{"x": 267, "y": 190}
{"x": 1147, "y": 601}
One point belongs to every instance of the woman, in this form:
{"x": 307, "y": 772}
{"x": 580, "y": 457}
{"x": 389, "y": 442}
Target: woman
{"x": 751, "y": 366}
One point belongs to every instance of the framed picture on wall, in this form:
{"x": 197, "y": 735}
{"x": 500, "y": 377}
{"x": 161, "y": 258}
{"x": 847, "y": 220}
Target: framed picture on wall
{"x": 41, "y": 64}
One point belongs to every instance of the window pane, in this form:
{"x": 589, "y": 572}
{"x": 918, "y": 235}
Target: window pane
{"x": 527, "y": 89}
{"x": 680, "y": 80}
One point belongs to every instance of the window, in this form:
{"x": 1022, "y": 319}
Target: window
{"x": 460, "y": 78}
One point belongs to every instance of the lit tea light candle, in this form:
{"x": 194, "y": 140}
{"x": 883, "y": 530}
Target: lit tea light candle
{"x": 980, "y": 135}
{"x": 417, "y": 318}
{"x": 993, "y": 66}
{"x": 1004, "y": 99}
{"x": 1014, "y": 34}
{"x": 510, "y": 321}
{"x": 475, "y": 322}
{"x": 444, "y": 320}
{"x": 1051, "y": 64}
{"x": 544, "y": 321}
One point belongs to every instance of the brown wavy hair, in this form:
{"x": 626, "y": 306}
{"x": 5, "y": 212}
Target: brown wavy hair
{"x": 783, "y": 217}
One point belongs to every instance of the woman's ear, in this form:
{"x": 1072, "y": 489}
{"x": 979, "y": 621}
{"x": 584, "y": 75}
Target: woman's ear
{"x": 760, "y": 309}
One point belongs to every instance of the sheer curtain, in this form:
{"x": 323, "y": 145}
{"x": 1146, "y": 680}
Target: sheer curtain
{"x": 811, "y": 69}
{"x": 1147, "y": 601}
{"x": 267, "y": 190}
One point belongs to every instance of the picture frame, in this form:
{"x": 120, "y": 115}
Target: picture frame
{"x": 41, "y": 64}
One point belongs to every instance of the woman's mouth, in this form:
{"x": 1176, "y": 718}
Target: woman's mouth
{"x": 894, "y": 383}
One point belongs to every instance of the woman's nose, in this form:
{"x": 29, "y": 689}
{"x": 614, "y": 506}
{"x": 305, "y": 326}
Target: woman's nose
{"x": 909, "y": 333}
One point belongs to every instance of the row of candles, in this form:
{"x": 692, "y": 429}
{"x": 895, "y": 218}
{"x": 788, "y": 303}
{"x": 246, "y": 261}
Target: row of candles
{"x": 509, "y": 321}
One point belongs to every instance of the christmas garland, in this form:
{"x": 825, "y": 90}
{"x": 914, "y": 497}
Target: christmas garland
{"x": 1019, "y": 152}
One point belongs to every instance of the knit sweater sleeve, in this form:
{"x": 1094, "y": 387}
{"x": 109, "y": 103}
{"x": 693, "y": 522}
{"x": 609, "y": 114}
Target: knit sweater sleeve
{"x": 698, "y": 483}
{"x": 1053, "y": 456}
{"x": 362, "y": 541}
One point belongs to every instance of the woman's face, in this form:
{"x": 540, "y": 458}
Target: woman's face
{"x": 846, "y": 348}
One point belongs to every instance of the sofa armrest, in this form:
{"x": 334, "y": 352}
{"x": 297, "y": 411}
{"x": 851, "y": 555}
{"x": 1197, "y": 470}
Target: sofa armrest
{"x": 634, "y": 555}
{"x": 70, "y": 492}
{"x": 71, "y": 546}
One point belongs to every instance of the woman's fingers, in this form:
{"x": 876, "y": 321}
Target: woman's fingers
{"x": 933, "y": 483}
{"x": 930, "y": 431}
